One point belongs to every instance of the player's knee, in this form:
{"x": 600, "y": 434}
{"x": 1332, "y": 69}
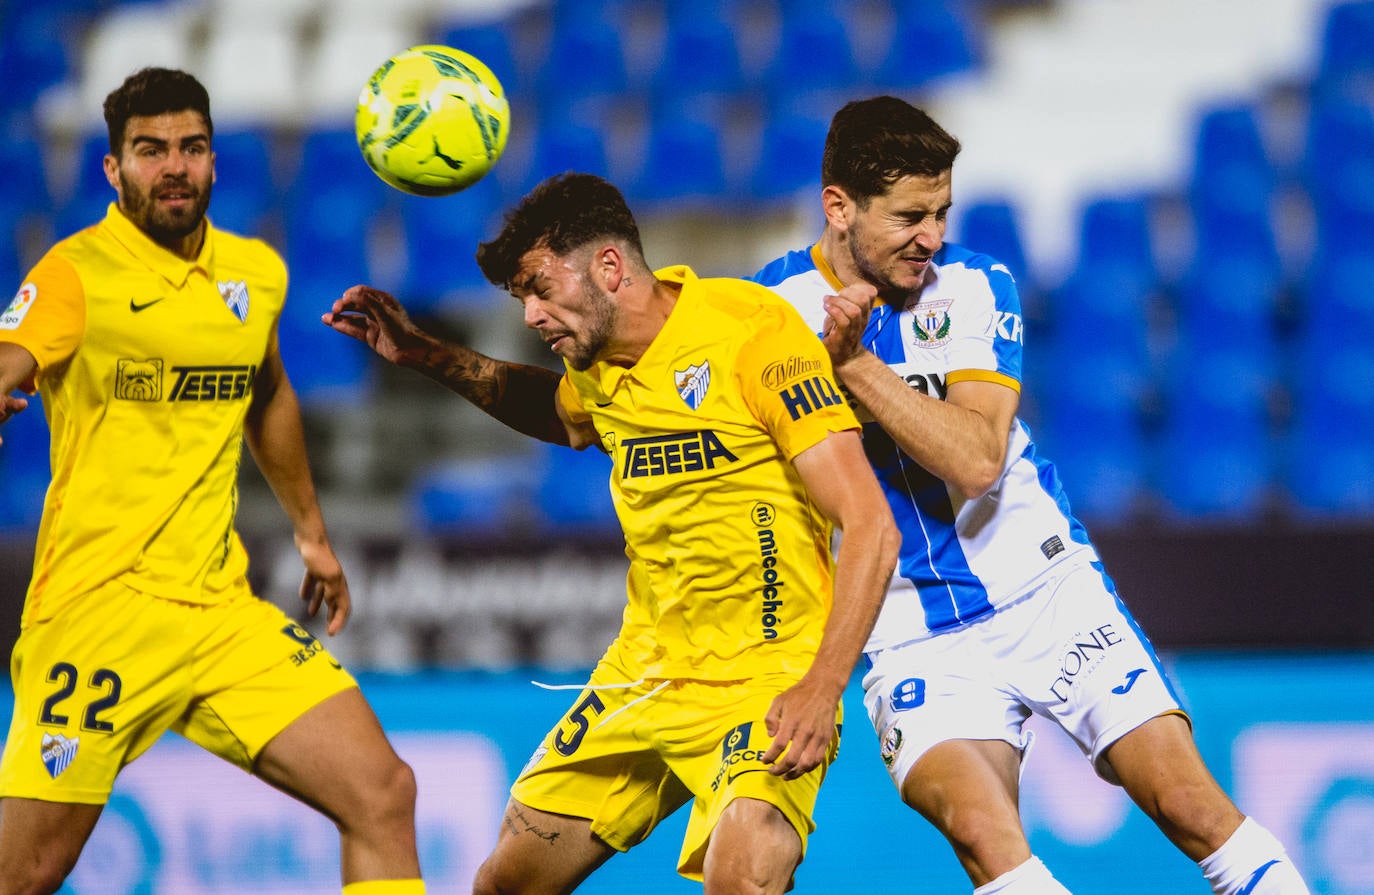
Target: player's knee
{"x": 1196, "y": 808}
{"x": 984, "y": 835}
{"x": 387, "y": 799}
{"x": 491, "y": 879}
{"x": 42, "y": 876}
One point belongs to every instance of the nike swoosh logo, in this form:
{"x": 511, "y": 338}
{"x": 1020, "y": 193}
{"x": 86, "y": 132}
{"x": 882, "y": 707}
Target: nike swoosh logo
{"x": 136, "y": 307}
{"x": 1255, "y": 878}
{"x": 607, "y": 404}
{"x": 1123, "y": 689}
{"x": 733, "y": 777}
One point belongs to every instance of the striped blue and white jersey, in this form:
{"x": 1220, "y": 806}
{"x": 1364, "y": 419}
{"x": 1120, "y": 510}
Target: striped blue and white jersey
{"x": 960, "y": 559}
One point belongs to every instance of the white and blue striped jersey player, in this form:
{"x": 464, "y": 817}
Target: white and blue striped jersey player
{"x": 999, "y": 605}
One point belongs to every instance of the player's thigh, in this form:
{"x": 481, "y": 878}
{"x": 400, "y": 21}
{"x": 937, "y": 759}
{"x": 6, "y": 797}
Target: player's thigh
{"x": 93, "y": 689}
{"x": 718, "y": 737}
{"x": 540, "y": 853}
{"x": 41, "y": 840}
{"x": 597, "y": 764}
{"x": 337, "y": 758}
{"x": 257, "y": 672}
{"x": 753, "y": 840}
{"x": 944, "y": 689}
{"x": 1161, "y": 769}
{"x": 1083, "y": 660}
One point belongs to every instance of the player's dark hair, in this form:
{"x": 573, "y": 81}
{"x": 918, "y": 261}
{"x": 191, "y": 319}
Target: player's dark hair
{"x": 563, "y": 213}
{"x": 874, "y": 142}
{"x": 154, "y": 91}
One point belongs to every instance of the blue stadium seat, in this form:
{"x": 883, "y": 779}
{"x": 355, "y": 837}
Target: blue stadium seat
{"x": 1105, "y": 307}
{"x": 1217, "y": 459}
{"x": 441, "y": 235}
{"x": 1347, "y": 47}
{"x": 35, "y": 53}
{"x": 24, "y": 469}
{"x": 1094, "y": 433}
{"x": 1330, "y": 470}
{"x": 1232, "y": 185}
{"x": 561, "y": 146}
{"x": 480, "y": 497}
{"x": 1339, "y": 171}
{"x": 1116, "y": 232}
{"x": 90, "y": 191}
{"x": 938, "y": 40}
{"x": 701, "y": 58}
{"x": 244, "y": 193}
{"x": 574, "y": 493}
{"x": 788, "y": 162}
{"x": 682, "y": 164}
{"x": 1231, "y": 301}
{"x": 814, "y": 54}
{"x": 1336, "y": 304}
{"x": 991, "y": 227}
{"x": 329, "y": 207}
{"x": 585, "y": 60}
{"x": 26, "y": 191}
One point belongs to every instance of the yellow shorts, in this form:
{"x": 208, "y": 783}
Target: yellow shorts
{"x": 627, "y": 757}
{"x": 96, "y": 685}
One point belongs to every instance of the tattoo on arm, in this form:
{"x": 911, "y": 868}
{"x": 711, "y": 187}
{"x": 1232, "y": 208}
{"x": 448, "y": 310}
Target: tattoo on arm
{"x": 520, "y": 395}
{"x": 518, "y": 823}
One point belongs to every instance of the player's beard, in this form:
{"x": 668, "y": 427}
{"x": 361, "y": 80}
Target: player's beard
{"x": 883, "y": 276}
{"x": 600, "y": 316}
{"x": 165, "y": 226}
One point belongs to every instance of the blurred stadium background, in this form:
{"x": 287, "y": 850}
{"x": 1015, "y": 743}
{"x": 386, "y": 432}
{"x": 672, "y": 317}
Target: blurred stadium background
{"x": 1183, "y": 188}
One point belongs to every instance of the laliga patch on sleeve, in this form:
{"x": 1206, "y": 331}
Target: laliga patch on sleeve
{"x": 23, "y": 300}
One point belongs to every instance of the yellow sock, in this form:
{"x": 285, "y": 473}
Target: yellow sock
{"x": 386, "y": 887}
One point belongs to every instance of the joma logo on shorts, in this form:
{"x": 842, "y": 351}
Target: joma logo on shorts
{"x": 1082, "y": 656}
{"x": 673, "y": 453}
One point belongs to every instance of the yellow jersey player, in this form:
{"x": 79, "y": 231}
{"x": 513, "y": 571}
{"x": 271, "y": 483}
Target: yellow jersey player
{"x": 152, "y": 337}
{"x": 733, "y": 456}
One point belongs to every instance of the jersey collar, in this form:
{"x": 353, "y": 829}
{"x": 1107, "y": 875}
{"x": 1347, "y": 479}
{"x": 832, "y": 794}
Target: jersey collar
{"x": 823, "y": 266}
{"x": 168, "y": 265}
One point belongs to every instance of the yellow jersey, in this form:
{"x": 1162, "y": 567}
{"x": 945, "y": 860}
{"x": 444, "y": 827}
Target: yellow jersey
{"x": 731, "y": 569}
{"x": 146, "y": 364}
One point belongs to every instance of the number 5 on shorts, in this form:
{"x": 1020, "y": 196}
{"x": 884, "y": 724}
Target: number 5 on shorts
{"x": 578, "y": 717}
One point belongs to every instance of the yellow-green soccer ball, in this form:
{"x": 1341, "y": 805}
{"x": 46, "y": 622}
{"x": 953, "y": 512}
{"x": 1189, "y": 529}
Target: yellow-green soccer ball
{"x": 432, "y": 120}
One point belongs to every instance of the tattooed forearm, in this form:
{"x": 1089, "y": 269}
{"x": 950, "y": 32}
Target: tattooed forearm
{"x": 518, "y": 823}
{"x": 519, "y": 395}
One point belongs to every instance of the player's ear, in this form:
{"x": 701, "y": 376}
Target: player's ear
{"x": 608, "y": 267}
{"x": 112, "y": 171}
{"x": 838, "y": 207}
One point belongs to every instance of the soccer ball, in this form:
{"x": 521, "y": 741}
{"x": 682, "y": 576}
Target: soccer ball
{"x": 432, "y": 120}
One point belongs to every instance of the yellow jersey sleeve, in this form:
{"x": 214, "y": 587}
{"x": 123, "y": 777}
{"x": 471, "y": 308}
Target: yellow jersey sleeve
{"x": 571, "y": 400}
{"x": 785, "y": 377}
{"x": 48, "y": 315}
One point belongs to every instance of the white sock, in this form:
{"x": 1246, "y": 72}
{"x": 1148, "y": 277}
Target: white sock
{"x": 1031, "y": 878}
{"x": 1252, "y": 862}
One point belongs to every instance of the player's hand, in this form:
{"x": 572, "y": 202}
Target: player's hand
{"x": 9, "y": 406}
{"x": 378, "y": 319}
{"x": 324, "y": 584}
{"x": 801, "y": 722}
{"x": 846, "y": 318}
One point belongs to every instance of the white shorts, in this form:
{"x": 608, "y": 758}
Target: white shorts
{"x": 1069, "y": 650}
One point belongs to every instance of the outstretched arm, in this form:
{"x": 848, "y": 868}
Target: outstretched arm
{"x": 276, "y": 439}
{"x": 519, "y": 395}
{"x": 837, "y": 476}
{"x": 16, "y": 366}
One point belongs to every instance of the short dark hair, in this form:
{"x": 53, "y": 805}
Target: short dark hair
{"x": 153, "y": 91}
{"x": 563, "y": 213}
{"x": 874, "y": 142}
